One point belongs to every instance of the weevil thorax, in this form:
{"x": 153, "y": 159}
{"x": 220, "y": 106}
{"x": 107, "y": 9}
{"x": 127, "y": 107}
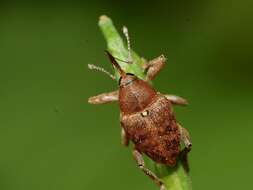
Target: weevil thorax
{"x": 134, "y": 94}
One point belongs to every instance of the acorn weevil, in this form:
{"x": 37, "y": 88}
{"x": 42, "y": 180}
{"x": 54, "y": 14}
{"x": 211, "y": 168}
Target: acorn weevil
{"x": 146, "y": 116}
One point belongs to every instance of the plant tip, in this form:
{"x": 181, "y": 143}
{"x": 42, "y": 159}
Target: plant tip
{"x": 103, "y": 18}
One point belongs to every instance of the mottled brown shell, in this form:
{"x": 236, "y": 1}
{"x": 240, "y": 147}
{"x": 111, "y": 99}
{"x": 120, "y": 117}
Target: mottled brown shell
{"x": 154, "y": 131}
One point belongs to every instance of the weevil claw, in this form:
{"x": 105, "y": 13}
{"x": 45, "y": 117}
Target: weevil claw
{"x": 163, "y": 187}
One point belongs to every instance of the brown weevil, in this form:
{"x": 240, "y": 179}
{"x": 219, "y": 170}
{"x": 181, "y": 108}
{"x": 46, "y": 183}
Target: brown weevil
{"x": 146, "y": 117}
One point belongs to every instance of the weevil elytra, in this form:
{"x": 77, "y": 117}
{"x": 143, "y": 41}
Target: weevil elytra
{"x": 146, "y": 116}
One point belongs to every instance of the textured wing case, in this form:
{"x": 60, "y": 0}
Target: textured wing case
{"x": 154, "y": 131}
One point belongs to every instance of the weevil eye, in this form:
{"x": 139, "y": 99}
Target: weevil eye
{"x": 120, "y": 80}
{"x": 129, "y": 74}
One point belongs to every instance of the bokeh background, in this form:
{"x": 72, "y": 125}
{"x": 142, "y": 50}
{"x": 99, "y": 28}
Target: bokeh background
{"x": 50, "y": 138}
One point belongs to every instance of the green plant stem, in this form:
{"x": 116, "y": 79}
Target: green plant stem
{"x": 175, "y": 178}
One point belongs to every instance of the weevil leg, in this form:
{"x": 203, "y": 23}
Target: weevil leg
{"x": 176, "y": 99}
{"x": 124, "y": 137}
{"x": 186, "y": 139}
{"x": 154, "y": 66}
{"x": 104, "y": 98}
{"x": 139, "y": 159}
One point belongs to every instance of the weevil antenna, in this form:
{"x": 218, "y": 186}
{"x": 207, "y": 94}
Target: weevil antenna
{"x": 125, "y": 32}
{"x": 115, "y": 63}
{"x": 97, "y": 68}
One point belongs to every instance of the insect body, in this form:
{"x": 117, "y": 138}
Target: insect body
{"x": 147, "y": 118}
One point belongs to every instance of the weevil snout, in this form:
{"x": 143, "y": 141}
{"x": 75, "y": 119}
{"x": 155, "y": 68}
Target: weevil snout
{"x": 125, "y": 78}
{"x": 115, "y": 64}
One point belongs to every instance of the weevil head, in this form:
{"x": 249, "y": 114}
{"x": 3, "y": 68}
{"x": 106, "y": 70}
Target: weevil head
{"x": 134, "y": 94}
{"x": 127, "y": 79}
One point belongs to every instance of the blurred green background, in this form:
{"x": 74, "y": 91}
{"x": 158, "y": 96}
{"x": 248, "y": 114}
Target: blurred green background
{"x": 50, "y": 138}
